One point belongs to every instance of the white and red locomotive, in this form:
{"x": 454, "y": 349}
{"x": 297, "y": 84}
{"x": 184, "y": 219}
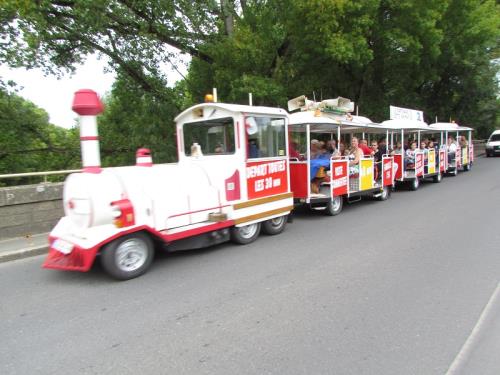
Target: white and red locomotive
{"x": 231, "y": 182}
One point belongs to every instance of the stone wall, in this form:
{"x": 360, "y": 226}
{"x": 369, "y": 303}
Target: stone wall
{"x": 29, "y": 209}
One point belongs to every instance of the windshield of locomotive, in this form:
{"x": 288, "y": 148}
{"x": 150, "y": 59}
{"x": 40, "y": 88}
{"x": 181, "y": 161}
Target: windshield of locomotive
{"x": 214, "y": 137}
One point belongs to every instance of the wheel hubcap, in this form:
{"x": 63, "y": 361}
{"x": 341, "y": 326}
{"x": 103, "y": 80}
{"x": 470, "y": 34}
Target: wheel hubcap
{"x": 277, "y": 221}
{"x": 336, "y": 203}
{"x": 131, "y": 255}
{"x": 248, "y": 231}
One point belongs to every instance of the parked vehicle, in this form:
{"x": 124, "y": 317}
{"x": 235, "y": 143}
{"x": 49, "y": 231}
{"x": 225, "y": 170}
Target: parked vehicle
{"x": 493, "y": 144}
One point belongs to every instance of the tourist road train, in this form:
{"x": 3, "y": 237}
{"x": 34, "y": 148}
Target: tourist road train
{"x": 241, "y": 170}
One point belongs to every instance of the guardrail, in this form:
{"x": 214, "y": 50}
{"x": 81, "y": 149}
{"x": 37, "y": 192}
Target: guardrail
{"x": 35, "y": 174}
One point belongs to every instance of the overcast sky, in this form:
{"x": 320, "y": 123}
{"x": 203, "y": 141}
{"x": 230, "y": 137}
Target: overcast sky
{"x": 55, "y": 95}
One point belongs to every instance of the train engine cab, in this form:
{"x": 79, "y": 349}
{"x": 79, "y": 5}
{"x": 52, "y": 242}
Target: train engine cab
{"x": 231, "y": 183}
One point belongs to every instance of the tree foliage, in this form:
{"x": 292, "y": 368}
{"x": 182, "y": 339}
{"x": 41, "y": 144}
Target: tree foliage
{"x": 434, "y": 55}
{"x": 29, "y": 143}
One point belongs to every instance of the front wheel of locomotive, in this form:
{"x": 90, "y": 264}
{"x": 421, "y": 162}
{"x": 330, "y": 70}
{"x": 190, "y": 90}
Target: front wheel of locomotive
{"x": 274, "y": 226}
{"x": 246, "y": 234}
{"x": 128, "y": 257}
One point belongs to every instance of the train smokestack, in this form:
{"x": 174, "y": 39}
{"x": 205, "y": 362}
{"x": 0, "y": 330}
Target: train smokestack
{"x": 143, "y": 158}
{"x": 86, "y": 103}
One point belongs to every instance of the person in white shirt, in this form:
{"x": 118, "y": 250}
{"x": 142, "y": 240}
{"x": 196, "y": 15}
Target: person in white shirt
{"x": 452, "y": 149}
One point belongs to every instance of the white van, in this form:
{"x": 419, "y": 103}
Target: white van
{"x": 493, "y": 144}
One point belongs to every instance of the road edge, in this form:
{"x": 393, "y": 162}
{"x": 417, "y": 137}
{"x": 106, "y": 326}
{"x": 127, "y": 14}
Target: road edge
{"x": 23, "y": 253}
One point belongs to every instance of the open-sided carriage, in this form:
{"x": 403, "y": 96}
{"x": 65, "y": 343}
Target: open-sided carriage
{"x": 410, "y": 172}
{"x": 458, "y": 155}
{"x": 324, "y": 184}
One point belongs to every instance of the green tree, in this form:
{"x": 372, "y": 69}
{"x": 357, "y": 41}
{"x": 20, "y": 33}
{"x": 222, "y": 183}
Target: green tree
{"x": 29, "y": 143}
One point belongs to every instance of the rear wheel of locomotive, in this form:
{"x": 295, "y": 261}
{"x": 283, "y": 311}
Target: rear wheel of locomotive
{"x": 414, "y": 184}
{"x": 128, "y": 257}
{"x": 274, "y": 226}
{"x": 334, "y": 206}
{"x": 245, "y": 234}
{"x": 437, "y": 178}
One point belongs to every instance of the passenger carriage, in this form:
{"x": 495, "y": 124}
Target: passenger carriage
{"x": 409, "y": 173}
{"x": 463, "y": 157}
{"x": 331, "y": 119}
{"x": 231, "y": 181}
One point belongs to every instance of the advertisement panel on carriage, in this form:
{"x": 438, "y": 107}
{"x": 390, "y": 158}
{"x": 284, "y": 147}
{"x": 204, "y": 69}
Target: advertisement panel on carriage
{"x": 265, "y": 178}
{"x": 431, "y": 162}
{"x": 366, "y": 174}
{"x": 442, "y": 160}
{"x": 419, "y": 164}
{"x": 471, "y": 153}
{"x": 458, "y": 157}
{"x": 340, "y": 177}
{"x": 387, "y": 170}
{"x": 465, "y": 156}
{"x": 398, "y": 162}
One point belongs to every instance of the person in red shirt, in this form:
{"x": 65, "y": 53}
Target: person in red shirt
{"x": 367, "y": 151}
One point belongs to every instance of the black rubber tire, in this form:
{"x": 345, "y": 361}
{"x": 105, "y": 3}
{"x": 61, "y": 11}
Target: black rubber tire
{"x": 488, "y": 155}
{"x": 109, "y": 256}
{"x": 467, "y": 168}
{"x": 386, "y": 193}
{"x": 274, "y": 226}
{"x": 414, "y": 184}
{"x": 238, "y": 236}
{"x": 455, "y": 172}
{"x": 437, "y": 178}
{"x": 334, "y": 209}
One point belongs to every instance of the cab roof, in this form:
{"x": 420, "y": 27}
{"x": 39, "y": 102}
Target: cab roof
{"x": 236, "y": 108}
{"x": 449, "y": 126}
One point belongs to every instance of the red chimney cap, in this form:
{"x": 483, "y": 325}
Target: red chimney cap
{"x": 87, "y": 103}
{"x": 143, "y": 152}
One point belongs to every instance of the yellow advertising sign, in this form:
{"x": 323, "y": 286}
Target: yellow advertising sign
{"x": 431, "y": 161}
{"x": 465, "y": 156}
{"x": 366, "y": 173}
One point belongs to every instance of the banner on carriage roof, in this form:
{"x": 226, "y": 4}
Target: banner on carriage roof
{"x": 265, "y": 178}
{"x": 398, "y": 163}
{"x": 340, "y": 180}
{"x": 398, "y": 113}
{"x": 442, "y": 161}
{"x": 431, "y": 162}
{"x": 366, "y": 174}
{"x": 465, "y": 156}
{"x": 387, "y": 171}
{"x": 419, "y": 164}
{"x": 458, "y": 157}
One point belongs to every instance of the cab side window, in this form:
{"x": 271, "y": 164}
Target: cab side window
{"x": 266, "y": 137}
{"x": 213, "y": 136}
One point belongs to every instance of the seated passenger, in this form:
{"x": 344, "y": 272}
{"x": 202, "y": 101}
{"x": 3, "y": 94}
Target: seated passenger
{"x": 314, "y": 148}
{"x": 292, "y": 150}
{"x": 398, "y": 149}
{"x": 354, "y": 155}
{"x": 452, "y": 149}
{"x": 219, "y": 149}
{"x": 463, "y": 142}
{"x": 410, "y": 155}
{"x": 363, "y": 145}
{"x": 377, "y": 158}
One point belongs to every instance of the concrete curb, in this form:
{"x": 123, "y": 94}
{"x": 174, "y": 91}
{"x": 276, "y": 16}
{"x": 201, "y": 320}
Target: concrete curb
{"x": 23, "y": 253}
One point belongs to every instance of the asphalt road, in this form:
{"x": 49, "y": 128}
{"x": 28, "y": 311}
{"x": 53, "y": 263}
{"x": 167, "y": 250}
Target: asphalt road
{"x": 390, "y": 287}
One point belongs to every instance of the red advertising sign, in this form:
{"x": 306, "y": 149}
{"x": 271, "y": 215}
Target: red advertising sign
{"x": 398, "y": 162}
{"x": 340, "y": 174}
{"x": 419, "y": 164}
{"x": 442, "y": 160}
{"x": 387, "y": 169}
{"x": 458, "y": 157}
{"x": 265, "y": 178}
